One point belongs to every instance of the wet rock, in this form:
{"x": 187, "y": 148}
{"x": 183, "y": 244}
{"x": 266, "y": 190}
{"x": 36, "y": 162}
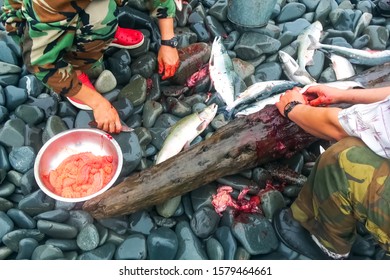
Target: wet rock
{"x": 229, "y": 244}
{"x": 106, "y": 82}
{"x": 162, "y": 244}
{"x": 204, "y": 222}
{"x": 132, "y": 248}
{"x": 47, "y": 252}
{"x": 214, "y": 249}
{"x": 88, "y": 238}
{"x": 256, "y": 234}
{"x": 189, "y": 247}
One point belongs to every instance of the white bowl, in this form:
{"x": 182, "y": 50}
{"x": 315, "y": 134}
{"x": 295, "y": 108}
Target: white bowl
{"x": 75, "y": 141}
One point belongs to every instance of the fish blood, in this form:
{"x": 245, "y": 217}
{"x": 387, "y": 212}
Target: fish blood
{"x": 81, "y": 175}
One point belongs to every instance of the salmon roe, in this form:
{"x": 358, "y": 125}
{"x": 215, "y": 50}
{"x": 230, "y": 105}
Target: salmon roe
{"x": 81, "y": 175}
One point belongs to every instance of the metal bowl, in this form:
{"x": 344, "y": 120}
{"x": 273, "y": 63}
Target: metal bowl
{"x": 70, "y": 142}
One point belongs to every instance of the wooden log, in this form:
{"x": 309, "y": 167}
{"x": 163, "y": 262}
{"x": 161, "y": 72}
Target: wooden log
{"x": 243, "y": 143}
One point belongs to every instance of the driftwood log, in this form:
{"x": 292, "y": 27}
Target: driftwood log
{"x": 243, "y": 143}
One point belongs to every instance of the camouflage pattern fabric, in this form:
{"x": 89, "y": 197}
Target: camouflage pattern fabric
{"x": 60, "y": 36}
{"x": 349, "y": 183}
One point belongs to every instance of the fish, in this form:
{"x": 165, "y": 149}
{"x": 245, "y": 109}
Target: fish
{"x": 341, "y": 66}
{"x": 337, "y": 84}
{"x": 179, "y": 5}
{"x": 260, "y": 104}
{"x": 124, "y": 128}
{"x": 305, "y": 56}
{"x": 183, "y": 132}
{"x": 292, "y": 70}
{"x": 222, "y": 72}
{"x": 261, "y": 90}
{"x": 355, "y": 56}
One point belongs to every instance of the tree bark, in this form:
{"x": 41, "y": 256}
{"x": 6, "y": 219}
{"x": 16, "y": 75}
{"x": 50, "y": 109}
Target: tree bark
{"x": 243, "y": 143}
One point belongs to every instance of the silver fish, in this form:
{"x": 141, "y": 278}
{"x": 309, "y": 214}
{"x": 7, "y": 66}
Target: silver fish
{"x": 222, "y": 72}
{"x": 185, "y": 131}
{"x": 261, "y": 90}
{"x": 305, "y": 56}
{"x": 336, "y": 84}
{"x": 341, "y": 66}
{"x": 355, "y": 56}
{"x": 258, "y": 105}
{"x": 292, "y": 70}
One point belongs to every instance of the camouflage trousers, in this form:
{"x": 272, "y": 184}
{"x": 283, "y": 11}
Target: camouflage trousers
{"x": 77, "y": 42}
{"x": 348, "y": 184}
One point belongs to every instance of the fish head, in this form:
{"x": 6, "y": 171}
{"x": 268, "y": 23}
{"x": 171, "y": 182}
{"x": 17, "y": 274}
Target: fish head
{"x": 284, "y": 57}
{"x": 317, "y": 25}
{"x": 209, "y": 112}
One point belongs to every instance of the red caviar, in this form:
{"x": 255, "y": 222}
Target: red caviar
{"x": 81, "y": 175}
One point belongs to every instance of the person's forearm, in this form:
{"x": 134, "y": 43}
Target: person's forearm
{"x": 320, "y": 122}
{"x": 166, "y": 28}
{"x": 365, "y": 96}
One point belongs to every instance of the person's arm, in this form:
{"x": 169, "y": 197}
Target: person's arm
{"x": 168, "y": 57}
{"x": 318, "y": 121}
{"x": 325, "y": 95}
{"x": 45, "y": 43}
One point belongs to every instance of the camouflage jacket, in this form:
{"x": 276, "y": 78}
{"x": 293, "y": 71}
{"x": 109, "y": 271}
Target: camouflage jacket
{"x": 46, "y": 19}
{"x": 13, "y": 11}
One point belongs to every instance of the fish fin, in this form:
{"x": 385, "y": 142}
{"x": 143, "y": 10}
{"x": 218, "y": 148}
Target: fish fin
{"x": 186, "y": 145}
{"x": 310, "y": 62}
{"x": 300, "y": 72}
{"x": 202, "y": 126}
{"x": 313, "y": 43}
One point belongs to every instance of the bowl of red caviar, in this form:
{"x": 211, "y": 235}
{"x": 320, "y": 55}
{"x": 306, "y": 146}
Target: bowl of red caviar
{"x": 78, "y": 164}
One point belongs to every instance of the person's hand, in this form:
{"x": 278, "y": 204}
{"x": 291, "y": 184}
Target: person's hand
{"x": 107, "y": 117}
{"x": 289, "y": 96}
{"x": 168, "y": 61}
{"x": 318, "y": 95}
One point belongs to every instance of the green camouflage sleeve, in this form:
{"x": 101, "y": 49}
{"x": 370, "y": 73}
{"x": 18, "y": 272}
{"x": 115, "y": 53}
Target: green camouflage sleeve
{"x": 12, "y": 18}
{"x": 163, "y": 8}
{"x": 51, "y": 31}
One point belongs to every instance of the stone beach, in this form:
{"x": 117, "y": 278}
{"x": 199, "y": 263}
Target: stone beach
{"x": 37, "y": 227}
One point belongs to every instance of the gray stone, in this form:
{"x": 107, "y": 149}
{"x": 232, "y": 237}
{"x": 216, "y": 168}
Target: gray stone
{"x": 47, "y": 252}
{"x": 21, "y": 219}
{"x": 229, "y": 244}
{"x": 204, "y": 222}
{"x": 214, "y": 249}
{"x": 12, "y": 238}
{"x": 106, "y": 82}
{"x": 57, "y": 230}
{"x": 132, "y": 248}
{"x": 104, "y": 252}
{"x": 6, "y": 224}
{"x": 26, "y": 248}
{"x": 162, "y": 244}
{"x": 22, "y": 158}
{"x": 256, "y": 235}
{"x": 190, "y": 247}
{"x": 88, "y": 238}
